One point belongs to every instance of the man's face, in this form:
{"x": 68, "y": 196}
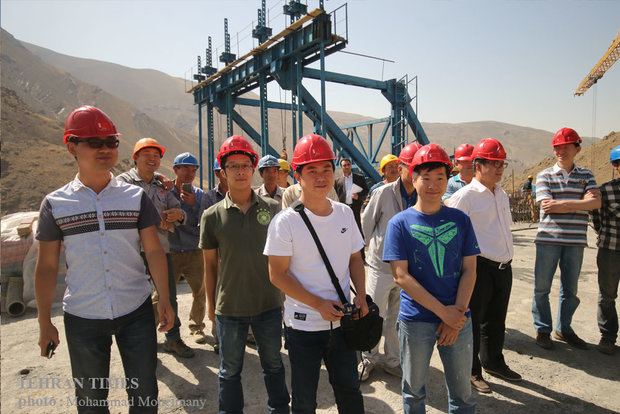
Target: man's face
{"x": 466, "y": 167}
{"x": 346, "y": 167}
{"x": 566, "y": 153}
{"x": 404, "y": 173}
{"x": 269, "y": 175}
{"x": 491, "y": 171}
{"x": 99, "y": 159}
{"x": 316, "y": 178}
{"x": 390, "y": 170}
{"x": 431, "y": 184}
{"x": 148, "y": 160}
{"x": 238, "y": 171}
{"x": 185, "y": 173}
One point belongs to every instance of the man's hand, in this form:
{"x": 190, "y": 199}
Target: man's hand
{"x": 165, "y": 181}
{"x": 166, "y": 315}
{"x": 172, "y": 215}
{"x": 188, "y": 198}
{"x": 593, "y": 194}
{"x": 454, "y": 316}
{"x": 447, "y": 335}
{"x": 47, "y": 333}
{"x": 211, "y": 313}
{"x": 354, "y": 196}
{"x": 552, "y": 206}
{"x": 328, "y": 311}
{"x": 360, "y": 303}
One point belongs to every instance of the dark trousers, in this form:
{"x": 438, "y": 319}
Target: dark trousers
{"x": 489, "y": 305}
{"x": 306, "y": 350}
{"x": 608, "y": 262}
{"x": 89, "y": 343}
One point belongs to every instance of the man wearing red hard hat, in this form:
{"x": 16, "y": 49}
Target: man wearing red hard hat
{"x": 565, "y": 193}
{"x": 464, "y": 161}
{"x": 102, "y": 222}
{"x": 312, "y": 307}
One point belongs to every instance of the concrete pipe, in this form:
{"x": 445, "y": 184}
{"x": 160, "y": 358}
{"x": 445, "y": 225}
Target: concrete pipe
{"x": 15, "y": 305}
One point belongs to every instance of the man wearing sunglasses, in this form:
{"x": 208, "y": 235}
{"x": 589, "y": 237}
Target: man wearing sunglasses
{"x": 487, "y": 204}
{"x": 101, "y": 221}
{"x": 147, "y": 154}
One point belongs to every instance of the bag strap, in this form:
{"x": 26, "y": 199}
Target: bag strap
{"x": 299, "y": 207}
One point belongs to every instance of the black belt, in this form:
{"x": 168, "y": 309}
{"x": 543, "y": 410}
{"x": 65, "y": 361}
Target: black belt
{"x": 499, "y": 265}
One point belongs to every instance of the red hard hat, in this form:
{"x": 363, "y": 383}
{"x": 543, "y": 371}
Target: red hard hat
{"x": 489, "y": 149}
{"x": 565, "y": 136}
{"x": 311, "y": 148}
{"x": 430, "y": 153}
{"x": 88, "y": 121}
{"x": 147, "y": 143}
{"x": 407, "y": 153}
{"x": 463, "y": 152}
{"x": 237, "y": 145}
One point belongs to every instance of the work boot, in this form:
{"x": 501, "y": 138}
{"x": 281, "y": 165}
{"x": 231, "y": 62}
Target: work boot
{"x": 504, "y": 373}
{"x": 606, "y": 346}
{"x": 397, "y": 371}
{"x": 480, "y": 384}
{"x": 543, "y": 340}
{"x": 199, "y": 337}
{"x": 570, "y": 338}
{"x": 178, "y": 347}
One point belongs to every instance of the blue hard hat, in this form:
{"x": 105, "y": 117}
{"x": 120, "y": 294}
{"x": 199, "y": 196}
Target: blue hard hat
{"x": 615, "y": 154}
{"x": 216, "y": 165}
{"x": 268, "y": 161}
{"x": 185, "y": 159}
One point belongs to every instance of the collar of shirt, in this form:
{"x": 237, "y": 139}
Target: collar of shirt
{"x": 230, "y": 204}
{"x": 565, "y": 174}
{"x": 76, "y": 184}
{"x": 133, "y": 173}
{"x": 458, "y": 178}
{"x": 478, "y": 186}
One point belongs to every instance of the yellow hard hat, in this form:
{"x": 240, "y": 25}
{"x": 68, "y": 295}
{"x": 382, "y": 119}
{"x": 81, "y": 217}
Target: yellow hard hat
{"x": 284, "y": 165}
{"x": 530, "y": 177}
{"x": 386, "y": 160}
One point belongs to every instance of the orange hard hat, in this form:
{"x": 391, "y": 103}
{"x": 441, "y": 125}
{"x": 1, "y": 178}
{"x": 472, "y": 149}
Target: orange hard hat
{"x": 311, "y": 148}
{"x": 237, "y": 145}
{"x": 88, "y": 121}
{"x": 147, "y": 143}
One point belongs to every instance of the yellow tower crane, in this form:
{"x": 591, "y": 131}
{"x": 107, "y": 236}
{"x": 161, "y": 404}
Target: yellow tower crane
{"x": 597, "y": 72}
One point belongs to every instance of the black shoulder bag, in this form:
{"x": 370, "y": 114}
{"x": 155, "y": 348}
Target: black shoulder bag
{"x": 360, "y": 333}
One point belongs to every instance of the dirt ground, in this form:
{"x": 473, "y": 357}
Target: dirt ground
{"x": 564, "y": 380}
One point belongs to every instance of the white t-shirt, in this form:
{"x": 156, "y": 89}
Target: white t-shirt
{"x": 340, "y": 237}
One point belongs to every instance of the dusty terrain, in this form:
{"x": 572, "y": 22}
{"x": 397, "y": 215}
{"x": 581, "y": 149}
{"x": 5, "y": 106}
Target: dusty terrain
{"x": 565, "y": 380}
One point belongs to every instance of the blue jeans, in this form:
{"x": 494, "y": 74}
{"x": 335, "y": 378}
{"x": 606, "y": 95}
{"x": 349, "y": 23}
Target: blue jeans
{"x": 174, "y": 333}
{"x": 417, "y": 341}
{"x": 89, "y": 342}
{"x": 608, "y": 277}
{"x": 232, "y": 332}
{"x": 547, "y": 258}
{"x": 306, "y": 350}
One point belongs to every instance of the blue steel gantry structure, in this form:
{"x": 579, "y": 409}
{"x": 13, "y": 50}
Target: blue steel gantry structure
{"x": 285, "y": 59}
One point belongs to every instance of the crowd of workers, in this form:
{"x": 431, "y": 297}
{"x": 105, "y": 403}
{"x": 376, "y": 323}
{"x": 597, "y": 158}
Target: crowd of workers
{"x": 438, "y": 250}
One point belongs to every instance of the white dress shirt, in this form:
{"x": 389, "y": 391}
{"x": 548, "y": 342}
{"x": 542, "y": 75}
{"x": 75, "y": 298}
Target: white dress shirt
{"x": 490, "y": 216}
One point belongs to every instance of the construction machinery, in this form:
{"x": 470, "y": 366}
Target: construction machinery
{"x": 597, "y": 72}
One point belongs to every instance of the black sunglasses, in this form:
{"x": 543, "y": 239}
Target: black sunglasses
{"x": 97, "y": 143}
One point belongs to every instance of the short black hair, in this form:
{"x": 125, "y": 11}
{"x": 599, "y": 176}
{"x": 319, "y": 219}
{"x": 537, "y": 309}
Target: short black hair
{"x": 300, "y": 167}
{"x": 224, "y": 157}
{"x": 345, "y": 159}
{"x": 429, "y": 166}
{"x": 615, "y": 163}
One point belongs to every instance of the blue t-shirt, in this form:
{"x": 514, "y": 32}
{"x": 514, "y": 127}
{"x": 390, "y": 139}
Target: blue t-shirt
{"x": 434, "y": 246}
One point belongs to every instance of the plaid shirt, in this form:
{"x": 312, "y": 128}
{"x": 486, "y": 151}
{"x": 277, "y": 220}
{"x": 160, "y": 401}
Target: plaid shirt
{"x": 607, "y": 219}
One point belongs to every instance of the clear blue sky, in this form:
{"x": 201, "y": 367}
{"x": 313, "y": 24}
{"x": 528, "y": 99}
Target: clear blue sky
{"x": 510, "y": 61}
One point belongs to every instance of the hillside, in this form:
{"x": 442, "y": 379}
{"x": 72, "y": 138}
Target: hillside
{"x": 594, "y": 158}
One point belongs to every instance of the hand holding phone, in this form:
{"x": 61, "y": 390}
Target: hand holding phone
{"x": 187, "y": 187}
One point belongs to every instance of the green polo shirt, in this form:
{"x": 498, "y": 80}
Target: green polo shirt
{"x": 243, "y": 287}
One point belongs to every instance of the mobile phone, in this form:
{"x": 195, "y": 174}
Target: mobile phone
{"x": 187, "y": 187}
{"x": 49, "y": 351}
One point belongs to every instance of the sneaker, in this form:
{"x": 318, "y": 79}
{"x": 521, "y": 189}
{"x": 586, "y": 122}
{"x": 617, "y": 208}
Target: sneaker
{"x": 397, "y": 371}
{"x": 364, "y": 369}
{"x": 606, "y": 346}
{"x": 544, "y": 341}
{"x": 570, "y": 338}
{"x": 480, "y": 384}
{"x": 199, "y": 337}
{"x": 504, "y": 373}
{"x": 178, "y": 347}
